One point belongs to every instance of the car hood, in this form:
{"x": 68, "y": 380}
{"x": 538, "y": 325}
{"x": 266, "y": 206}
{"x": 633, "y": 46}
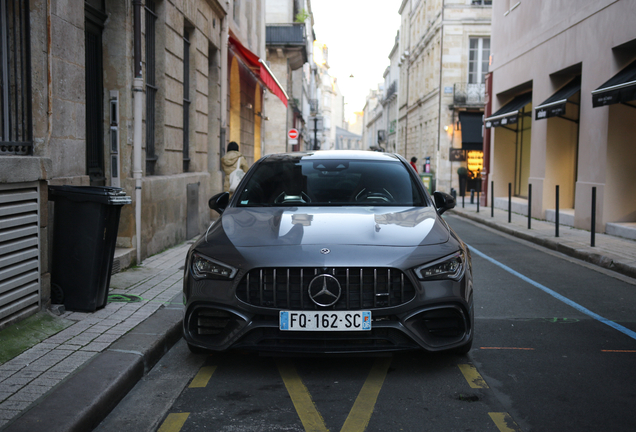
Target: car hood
{"x": 361, "y": 226}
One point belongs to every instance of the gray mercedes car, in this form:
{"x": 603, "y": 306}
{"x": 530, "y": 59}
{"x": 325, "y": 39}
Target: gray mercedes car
{"x": 329, "y": 252}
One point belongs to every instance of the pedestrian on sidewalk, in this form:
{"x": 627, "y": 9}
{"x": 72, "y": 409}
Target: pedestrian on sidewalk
{"x": 413, "y": 160}
{"x": 231, "y": 162}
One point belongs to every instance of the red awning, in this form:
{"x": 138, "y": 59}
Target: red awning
{"x": 260, "y": 69}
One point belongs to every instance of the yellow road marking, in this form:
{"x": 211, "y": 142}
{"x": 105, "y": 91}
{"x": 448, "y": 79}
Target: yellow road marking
{"x": 504, "y": 422}
{"x": 174, "y": 422}
{"x": 309, "y": 416}
{"x": 472, "y": 376}
{"x": 202, "y": 377}
{"x": 621, "y": 351}
{"x": 360, "y": 414}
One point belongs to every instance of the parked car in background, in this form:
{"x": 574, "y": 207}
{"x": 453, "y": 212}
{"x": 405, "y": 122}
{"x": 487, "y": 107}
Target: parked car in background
{"x": 329, "y": 252}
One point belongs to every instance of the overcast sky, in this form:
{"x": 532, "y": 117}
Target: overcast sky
{"x": 360, "y": 35}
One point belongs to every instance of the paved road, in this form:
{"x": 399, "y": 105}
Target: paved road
{"x": 554, "y": 349}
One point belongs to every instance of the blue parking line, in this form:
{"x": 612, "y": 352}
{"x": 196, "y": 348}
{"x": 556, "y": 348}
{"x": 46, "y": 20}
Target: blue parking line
{"x": 557, "y": 296}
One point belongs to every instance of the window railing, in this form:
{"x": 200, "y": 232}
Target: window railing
{"x": 469, "y": 94}
{"x": 151, "y": 87}
{"x": 16, "y": 124}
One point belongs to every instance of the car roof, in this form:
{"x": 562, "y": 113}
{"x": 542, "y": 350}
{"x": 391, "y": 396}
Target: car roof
{"x": 334, "y": 154}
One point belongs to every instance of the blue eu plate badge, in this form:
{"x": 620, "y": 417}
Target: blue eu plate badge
{"x": 284, "y": 320}
{"x": 366, "y": 320}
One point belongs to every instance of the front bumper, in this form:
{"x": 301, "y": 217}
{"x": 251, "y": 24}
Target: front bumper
{"x": 431, "y": 328}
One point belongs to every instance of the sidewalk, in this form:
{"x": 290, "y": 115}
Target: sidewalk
{"x": 611, "y": 252}
{"x": 73, "y": 378}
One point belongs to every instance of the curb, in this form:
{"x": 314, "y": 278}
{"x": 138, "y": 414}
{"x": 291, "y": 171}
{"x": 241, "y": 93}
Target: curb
{"x": 593, "y": 258}
{"x": 82, "y": 401}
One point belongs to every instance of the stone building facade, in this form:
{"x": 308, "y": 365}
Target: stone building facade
{"x": 82, "y": 111}
{"x": 374, "y": 124}
{"x": 390, "y": 97}
{"x": 289, "y": 53}
{"x": 436, "y": 48}
{"x": 563, "y": 100}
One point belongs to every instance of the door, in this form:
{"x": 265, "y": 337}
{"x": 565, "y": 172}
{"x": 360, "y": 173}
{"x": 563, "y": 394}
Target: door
{"x": 94, "y": 97}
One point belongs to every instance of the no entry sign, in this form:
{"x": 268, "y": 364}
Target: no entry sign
{"x": 292, "y": 134}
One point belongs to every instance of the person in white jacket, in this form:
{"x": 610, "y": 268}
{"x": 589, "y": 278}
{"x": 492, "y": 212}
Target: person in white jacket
{"x": 232, "y": 160}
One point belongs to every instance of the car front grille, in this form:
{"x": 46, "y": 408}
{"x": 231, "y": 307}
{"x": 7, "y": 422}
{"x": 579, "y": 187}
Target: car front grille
{"x": 361, "y": 288}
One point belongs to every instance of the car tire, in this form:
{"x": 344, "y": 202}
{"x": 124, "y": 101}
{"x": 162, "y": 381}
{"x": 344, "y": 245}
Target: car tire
{"x": 197, "y": 350}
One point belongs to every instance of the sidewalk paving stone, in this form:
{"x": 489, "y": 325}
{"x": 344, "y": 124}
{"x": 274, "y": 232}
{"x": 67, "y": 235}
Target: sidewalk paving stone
{"x": 65, "y": 344}
{"x": 611, "y": 252}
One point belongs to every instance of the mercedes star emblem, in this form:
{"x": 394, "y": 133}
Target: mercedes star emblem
{"x": 324, "y": 290}
{"x": 324, "y": 251}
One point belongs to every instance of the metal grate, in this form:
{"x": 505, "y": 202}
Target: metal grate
{"x": 211, "y": 321}
{"x": 116, "y": 266}
{"x": 16, "y": 132}
{"x": 151, "y": 87}
{"x": 19, "y": 251}
{"x": 362, "y": 288}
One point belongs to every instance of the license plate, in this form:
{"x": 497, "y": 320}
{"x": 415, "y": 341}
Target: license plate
{"x": 325, "y": 321}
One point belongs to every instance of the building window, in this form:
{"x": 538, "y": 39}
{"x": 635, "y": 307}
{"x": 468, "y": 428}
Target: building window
{"x": 481, "y": 2}
{"x": 478, "y": 57}
{"x": 186, "y": 99}
{"x": 151, "y": 86}
{"x": 236, "y": 11}
{"x": 16, "y": 132}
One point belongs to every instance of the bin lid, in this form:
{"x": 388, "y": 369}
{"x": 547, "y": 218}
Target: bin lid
{"x": 101, "y": 194}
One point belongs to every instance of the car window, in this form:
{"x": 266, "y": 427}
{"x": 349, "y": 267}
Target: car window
{"x": 329, "y": 182}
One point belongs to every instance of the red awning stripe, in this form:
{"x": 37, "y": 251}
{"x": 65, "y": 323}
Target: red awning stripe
{"x": 272, "y": 83}
{"x": 259, "y": 67}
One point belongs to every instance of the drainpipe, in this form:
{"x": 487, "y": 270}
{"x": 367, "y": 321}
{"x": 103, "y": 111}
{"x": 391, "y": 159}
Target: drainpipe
{"x": 49, "y": 75}
{"x": 224, "y": 80}
{"x": 138, "y": 89}
{"x": 441, "y": 95}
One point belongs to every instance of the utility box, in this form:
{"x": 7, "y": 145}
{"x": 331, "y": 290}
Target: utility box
{"x": 85, "y": 228}
{"x": 429, "y": 182}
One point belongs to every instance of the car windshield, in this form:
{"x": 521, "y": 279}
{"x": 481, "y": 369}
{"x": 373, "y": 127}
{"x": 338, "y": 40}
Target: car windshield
{"x": 331, "y": 182}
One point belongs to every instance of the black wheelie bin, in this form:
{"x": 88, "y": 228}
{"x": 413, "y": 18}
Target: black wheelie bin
{"x": 85, "y": 227}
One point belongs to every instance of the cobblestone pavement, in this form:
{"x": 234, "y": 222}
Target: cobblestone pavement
{"x": 33, "y": 373}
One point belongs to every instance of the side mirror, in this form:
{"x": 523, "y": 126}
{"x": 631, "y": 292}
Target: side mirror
{"x": 443, "y": 201}
{"x": 219, "y": 202}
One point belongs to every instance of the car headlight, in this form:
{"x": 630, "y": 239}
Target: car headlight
{"x": 449, "y": 267}
{"x": 204, "y": 267}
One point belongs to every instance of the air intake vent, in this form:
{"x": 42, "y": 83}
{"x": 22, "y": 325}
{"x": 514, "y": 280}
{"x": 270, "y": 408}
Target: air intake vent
{"x": 211, "y": 321}
{"x": 19, "y": 250}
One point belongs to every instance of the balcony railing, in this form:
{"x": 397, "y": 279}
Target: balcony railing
{"x": 469, "y": 94}
{"x": 391, "y": 90}
{"x": 285, "y": 34}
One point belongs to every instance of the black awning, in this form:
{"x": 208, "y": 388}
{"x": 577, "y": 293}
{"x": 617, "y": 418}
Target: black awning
{"x": 472, "y": 124}
{"x": 509, "y": 113}
{"x": 620, "y": 88}
{"x": 555, "y": 104}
